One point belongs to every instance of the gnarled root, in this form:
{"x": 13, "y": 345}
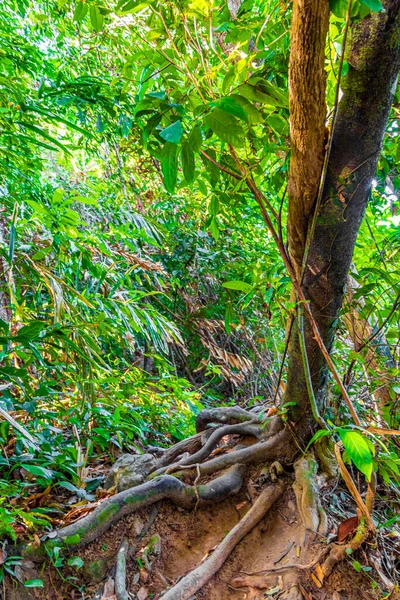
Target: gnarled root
{"x": 165, "y": 487}
{"x": 226, "y": 415}
{"x": 215, "y": 437}
{"x": 196, "y": 579}
{"x": 191, "y": 444}
{"x": 120, "y": 572}
{"x": 307, "y": 495}
{"x": 261, "y": 452}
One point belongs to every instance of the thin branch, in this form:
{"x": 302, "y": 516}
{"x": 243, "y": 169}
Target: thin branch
{"x": 217, "y": 164}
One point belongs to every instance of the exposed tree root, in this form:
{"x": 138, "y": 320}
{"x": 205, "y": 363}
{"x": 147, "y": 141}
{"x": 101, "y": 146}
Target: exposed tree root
{"x": 279, "y": 444}
{"x": 120, "y": 572}
{"x": 226, "y": 415}
{"x": 215, "y": 437}
{"x": 307, "y": 496}
{"x": 165, "y": 487}
{"x": 191, "y": 444}
{"x": 196, "y": 579}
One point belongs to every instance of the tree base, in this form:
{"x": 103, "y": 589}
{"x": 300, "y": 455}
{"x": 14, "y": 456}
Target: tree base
{"x": 237, "y": 525}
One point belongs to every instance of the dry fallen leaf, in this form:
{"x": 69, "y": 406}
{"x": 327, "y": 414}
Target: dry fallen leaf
{"x": 346, "y": 528}
{"x": 108, "y": 591}
{"x": 316, "y": 580}
{"x": 142, "y": 594}
{"x": 306, "y": 595}
{"x": 319, "y": 572}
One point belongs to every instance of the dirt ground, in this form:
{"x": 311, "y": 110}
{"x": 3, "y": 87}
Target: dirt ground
{"x": 177, "y": 541}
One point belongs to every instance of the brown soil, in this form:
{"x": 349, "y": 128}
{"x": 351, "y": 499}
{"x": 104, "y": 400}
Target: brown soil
{"x": 189, "y": 537}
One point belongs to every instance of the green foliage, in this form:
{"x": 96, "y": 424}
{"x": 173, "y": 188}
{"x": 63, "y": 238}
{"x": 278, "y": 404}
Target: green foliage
{"x": 358, "y": 451}
{"x": 121, "y": 240}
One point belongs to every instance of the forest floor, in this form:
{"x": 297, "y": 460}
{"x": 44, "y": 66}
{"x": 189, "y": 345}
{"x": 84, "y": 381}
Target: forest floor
{"x": 167, "y": 542}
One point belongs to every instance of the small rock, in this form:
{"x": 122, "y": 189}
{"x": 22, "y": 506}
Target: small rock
{"x": 142, "y": 594}
{"x": 129, "y": 470}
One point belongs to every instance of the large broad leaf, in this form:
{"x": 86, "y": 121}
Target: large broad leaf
{"x": 338, "y": 7}
{"x": 253, "y": 115}
{"x": 374, "y": 5}
{"x": 173, "y": 133}
{"x": 30, "y": 332}
{"x": 38, "y": 471}
{"x": 169, "y": 166}
{"x": 278, "y": 124}
{"x": 242, "y": 286}
{"x": 80, "y": 11}
{"x": 96, "y": 18}
{"x": 261, "y": 90}
{"x": 225, "y": 127}
{"x": 195, "y": 139}
{"x": 231, "y": 106}
{"x": 188, "y": 162}
{"x": 358, "y": 450}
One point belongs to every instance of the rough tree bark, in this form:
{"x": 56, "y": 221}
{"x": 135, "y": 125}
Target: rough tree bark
{"x": 368, "y": 90}
{"x": 307, "y": 87}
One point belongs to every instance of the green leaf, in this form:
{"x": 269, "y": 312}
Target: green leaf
{"x": 80, "y": 11}
{"x": 214, "y": 228}
{"x": 173, "y": 133}
{"x": 338, "y": 7}
{"x": 229, "y": 79}
{"x": 214, "y": 206}
{"x": 253, "y": 115}
{"x": 278, "y": 124}
{"x": 75, "y": 561}
{"x": 33, "y": 583}
{"x": 374, "y": 5}
{"x": 225, "y": 127}
{"x": 188, "y": 162}
{"x": 72, "y": 539}
{"x": 231, "y": 106}
{"x": 169, "y": 166}
{"x": 357, "y": 566}
{"x": 96, "y": 18}
{"x": 195, "y": 139}
{"x": 30, "y": 332}
{"x": 242, "y": 286}
{"x": 38, "y": 471}
{"x": 44, "y": 134}
{"x": 358, "y": 451}
{"x": 317, "y": 436}
{"x": 261, "y": 90}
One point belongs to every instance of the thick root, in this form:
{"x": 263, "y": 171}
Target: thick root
{"x": 227, "y": 415}
{"x": 311, "y": 512}
{"x": 215, "y": 437}
{"x": 196, "y": 579}
{"x": 120, "y": 572}
{"x": 191, "y": 444}
{"x": 165, "y": 487}
{"x": 262, "y": 452}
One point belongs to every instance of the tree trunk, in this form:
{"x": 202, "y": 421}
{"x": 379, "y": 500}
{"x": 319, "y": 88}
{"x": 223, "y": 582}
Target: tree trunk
{"x": 307, "y": 87}
{"x": 368, "y": 90}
